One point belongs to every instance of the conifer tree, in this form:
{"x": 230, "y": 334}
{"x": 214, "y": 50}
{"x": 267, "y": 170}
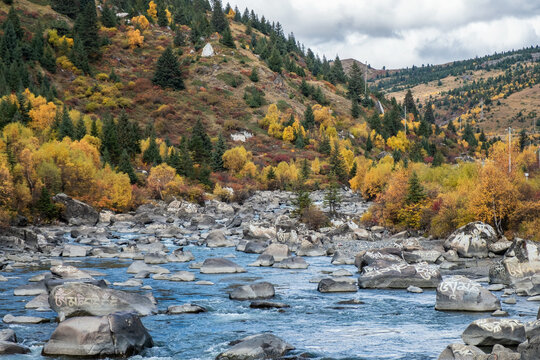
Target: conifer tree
{"x": 13, "y": 19}
{"x": 410, "y": 104}
{"x": 299, "y": 141}
{"x": 309, "y": 118}
{"x": 200, "y": 144}
{"x": 66, "y": 127}
{"x": 429, "y": 117}
{"x": 217, "y": 155}
{"x": 219, "y": 22}
{"x": 151, "y": 155}
{"x": 80, "y": 129}
{"x": 355, "y": 109}
{"x": 186, "y": 163}
{"x": 161, "y": 14}
{"x": 415, "y": 190}
{"x": 108, "y": 17}
{"x": 468, "y": 136}
{"x": 304, "y": 88}
{"x": 337, "y": 165}
{"x": 44, "y": 206}
{"x": 332, "y": 198}
{"x": 354, "y": 169}
{"x": 523, "y": 140}
{"x": 179, "y": 38}
{"x": 66, "y": 7}
{"x": 10, "y": 51}
{"x": 93, "y": 129}
{"x": 369, "y": 144}
{"x": 168, "y": 73}
{"x": 337, "y": 74}
{"x": 424, "y": 129}
{"x": 227, "y": 38}
{"x": 48, "y": 59}
{"x": 125, "y": 166}
{"x": 438, "y": 159}
{"x": 451, "y": 127}
{"x": 324, "y": 146}
{"x": 254, "y": 76}
{"x": 275, "y": 62}
{"x": 355, "y": 86}
{"x": 305, "y": 170}
{"x": 109, "y": 139}
{"x": 87, "y": 29}
{"x": 79, "y": 57}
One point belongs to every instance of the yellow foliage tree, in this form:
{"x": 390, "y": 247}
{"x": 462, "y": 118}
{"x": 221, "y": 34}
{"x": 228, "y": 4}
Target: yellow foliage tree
{"x": 113, "y": 189}
{"x": 135, "y": 38}
{"x": 168, "y": 15}
{"x": 236, "y": 158}
{"x": 275, "y": 130}
{"x": 316, "y": 166}
{"x": 272, "y": 116}
{"x": 140, "y": 21}
{"x": 152, "y": 10}
{"x": 288, "y": 134}
{"x": 249, "y": 170}
{"x": 43, "y": 115}
{"x": 362, "y": 166}
{"x": 163, "y": 181}
{"x": 398, "y": 142}
{"x": 377, "y": 177}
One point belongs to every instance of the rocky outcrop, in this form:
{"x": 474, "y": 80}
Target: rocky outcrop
{"x": 472, "y": 240}
{"x": 220, "y": 266}
{"x": 295, "y": 262}
{"x": 398, "y": 275}
{"x": 216, "y": 238}
{"x": 120, "y": 334}
{"x": 262, "y": 290}
{"x": 488, "y": 332}
{"x": 331, "y": 286}
{"x": 76, "y": 299}
{"x": 76, "y": 212}
{"x": 458, "y": 293}
{"x": 255, "y": 347}
{"x": 461, "y": 352}
{"x": 278, "y": 251}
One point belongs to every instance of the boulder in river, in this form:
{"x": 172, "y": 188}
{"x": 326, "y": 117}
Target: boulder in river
{"x": 76, "y": 212}
{"x": 461, "y": 352}
{"x": 185, "y": 309}
{"x": 263, "y": 260}
{"x": 119, "y": 334}
{"x": 69, "y": 272}
{"x": 331, "y": 286}
{"x": 12, "y": 348}
{"x": 216, "y": 238}
{"x": 262, "y": 304}
{"x": 76, "y": 299}
{"x": 491, "y": 331}
{"x": 220, "y": 266}
{"x": 10, "y": 319}
{"x": 472, "y": 240}
{"x": 262, "y": 290}
{"x": 530, "y": 349}
{"x": 382, "y": 275}
{"x": 137, "y": 267}
{"x": 278, "y": 251}
{"x": 255, "y": 347}
{"x": 294, "y": 262}
{"x": 459, "y": 293}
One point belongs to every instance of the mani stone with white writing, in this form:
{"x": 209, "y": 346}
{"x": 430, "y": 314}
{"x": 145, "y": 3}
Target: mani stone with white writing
{"x": 78, "y": 299}
{"x": 458, "y": 293}
{"x": 488, "y": 332}
{"x": 472, "y": 240}
{"x": 382, "y": 275}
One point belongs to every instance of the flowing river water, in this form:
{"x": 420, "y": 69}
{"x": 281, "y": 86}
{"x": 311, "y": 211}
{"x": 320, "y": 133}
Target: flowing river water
{"x": 388, "y": 324}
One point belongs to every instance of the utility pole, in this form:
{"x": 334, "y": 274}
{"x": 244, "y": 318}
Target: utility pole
{"x": 509, "y": 150}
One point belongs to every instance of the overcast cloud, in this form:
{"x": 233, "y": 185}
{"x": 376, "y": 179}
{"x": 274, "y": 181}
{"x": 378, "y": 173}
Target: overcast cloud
{"x": 400, "y": 33}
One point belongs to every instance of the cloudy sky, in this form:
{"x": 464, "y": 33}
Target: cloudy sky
{"x": 400, "y": 33}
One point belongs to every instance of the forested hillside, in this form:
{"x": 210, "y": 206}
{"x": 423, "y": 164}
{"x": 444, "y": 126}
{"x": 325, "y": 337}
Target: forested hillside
{"x": 120, "y": 102}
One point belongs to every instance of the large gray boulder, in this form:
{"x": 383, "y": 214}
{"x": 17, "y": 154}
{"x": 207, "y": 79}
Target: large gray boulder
{"x": 530, "y": 349}
{"x": 458, "y": 293}
{"x": 12, "y": 348}
{"x": 120, "y": 334}
{"x": 331, "y": 286}
{"x": 76, "y": 299}
{"x": 216, "y": 238}
{"x": 491, "y": 331}
{"x": 208, "y": 50}
{"x": 278, "y": 251}
{"x": 398, "y": 275}
{"x": 294, "y": 262}
{"x": 255, "y": 347}
{"x": 472, "y": 240}
{"x": 461, "y": 352}
{"x": 70, "y": 272}
{"x": 220, "y": 266}
{"x": 76, "y": 212}
{"x": 257, "y": 291}
{"x": 185, "y": 309}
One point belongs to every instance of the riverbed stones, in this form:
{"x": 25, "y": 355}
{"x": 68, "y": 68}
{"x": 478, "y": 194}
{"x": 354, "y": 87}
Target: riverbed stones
{"x": 255, "y": 232}
{"x": 182, "y": 276}
{"x": 76, "y": 212}
{"x": 461, "y": 352}
{"x": 10, "y": 319}
{"x": 75, "y": 250}
{"x": 255, "y": 347}
{"x": 472, "y": 240}
{"x": 414, "y": 289}
{"x": 185, "y": 309}
{"x": 217, "y": 238}
{"x": 12, "y": 348}
{"x": 491, "y": 331}
{"x": 263, "y": 260}
{"x": 262, "y": 290}
{"x": 137, "y": 267}
{"x": 458, "y": 293}
{"x": 75, "y": 299}
{"x": 280, "y": 252}
{"x": 40, "y": 302}
{"x": 220, "y": 266}
{"x": 119, "y": 334}
{"x": 294, "y": 262}
{"x": 262, "y": 304}
{"x": 155, "y": 258}
{"x": 398, "y": 275}
{"x": 530, "y": 349}
{"x": 332, "y": 286}
{"x": 8, "y": 335}
{"x": 32, "y": 289}
{"x": 179, "y": 255}
{"x": 69, "y": 272}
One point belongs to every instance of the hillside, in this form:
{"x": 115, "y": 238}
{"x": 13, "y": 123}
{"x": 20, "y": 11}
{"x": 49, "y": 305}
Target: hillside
{"x": 114, "y": 104}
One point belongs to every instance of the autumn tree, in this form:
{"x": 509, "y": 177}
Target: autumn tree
{"x": 236, "y": 158}
{"x": 124, "y": 165}
{"x": 168, "y": 73}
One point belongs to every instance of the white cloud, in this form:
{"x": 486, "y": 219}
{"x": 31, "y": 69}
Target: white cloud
{"x": 400, "y": 33}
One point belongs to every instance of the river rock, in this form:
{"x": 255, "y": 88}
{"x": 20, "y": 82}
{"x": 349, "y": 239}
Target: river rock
{"x": 499, "y": 352}
{"x": 155, "y": 258}
{"x": 77, "y": 299}
{"x": 216, "y": 238}
{"x": 12, "y": 348}
{"x": 262, "y": 290}
{"x": 331, "y": 286}
{"x": 530, "y": 349}
{"x": 182, "y": 276}
{"x": 461, "y": 352}
{"x": 261, "y": 304}
{"x": 75, "y": 250}
{"x": 280, "y": 252}
{"x": 32, "y": 289}
{"x": 295, "y": 262}
{"x": 310, "y": 250}
{"x": 339, "y": 258}
{"x": 472, "y": 240}
{"x": 69, "y": 272}
{"x": 179, "y": 255}
{"x": 39, "y": 302}
{"x": 220, "y": 266}
{"x": 137, "y": 267}
{"x": 458, "y": 293}
{"x": 263, "y": 260}
{"x": 185, "y": 309}
{"x": 254, "y": 247}
{"x": 76, "y": 212}
{"x": 8, "y": 335}
{"x": 10, "y": 319}
{"x": 259, "y": 232}
{"x": 488, "y": 332}
{"x": 255, "y": 347}
{"x": 415, "y": 290}
{"x": 381, "y": 275}
{"x": 119, "y": 334}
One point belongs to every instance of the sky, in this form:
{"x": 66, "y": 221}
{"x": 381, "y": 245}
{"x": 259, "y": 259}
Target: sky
{"x": 402, "y": 33}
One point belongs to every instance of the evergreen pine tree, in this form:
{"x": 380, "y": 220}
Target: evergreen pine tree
{"x": 275, "y": 62}
{"x": 369, "y": 143}
{"x": 66, "y": 7}
{"x": 44, "y": 206}
{"x": 451, "y": 127}
{"x": 113, "y": 77}
{"x": 151, "y": 155}
{"x": 80, "y": 129}
{"x": 93, "y": 129}
{"x": 415, "y": 190}
{"x": 523, "y": 139}
{"x": 410, "y": 104}
{"x": 309, "y": 118}
{"x": 161, "y": 14}
{"x": 299, "y": 141}
{"x": 304, "y": 88}
{"x": 254, "y": 76}
{"x": 125, "y": 166}
{"x": 337, "y": 74}
{"x": 468, "y": 136}
{"x": 332, "y": 198}
{"x": 227, "y": 38}
{"x": 179, "y": 38}
{"x": 109, "y": 139}
{"x": 305, "y": 170}
{"x": 438, "y": 159}
{"x": 424, "y": 129}
{"x": 324, "y": 146}
{"x": 13, "y": 18}
{"x": 217, "y": 154}
{"x": 168, "y": 72}
{"x": 10, "y": 51}
{"x": 66, "y": 127}
{"x": 429, "y": 117}
{"x": 355, "y": 86}
{"x": 354, "y": 169}
{"x": 108, "y": 17}
{"x": 355, "y": 109}
{"x": 337, "y": 164}
{"x": 79, "y": 57}
{"x": 48, "y": 59}
{"x": 200, "y": 144}
{"x": 87, "y": 29}
{"x": 271, "y": 175}
{"x": 186, "y": 168}
{"x": 219, "y": 22}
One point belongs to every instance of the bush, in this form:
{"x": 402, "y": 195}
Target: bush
{"x": 314, "y": 218}
{"x": 254, "y": 97}
{"x": 230, "y": 79}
